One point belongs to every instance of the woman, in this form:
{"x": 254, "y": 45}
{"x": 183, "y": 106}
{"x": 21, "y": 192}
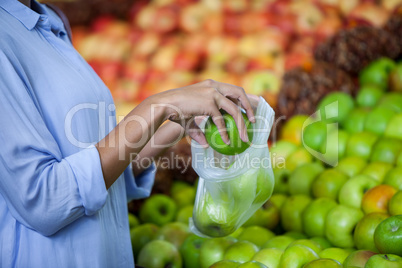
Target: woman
{"x": 66, "y": 168}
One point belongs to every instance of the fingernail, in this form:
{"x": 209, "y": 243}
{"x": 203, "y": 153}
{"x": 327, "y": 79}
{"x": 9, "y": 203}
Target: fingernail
{"x": 252, "y": 119}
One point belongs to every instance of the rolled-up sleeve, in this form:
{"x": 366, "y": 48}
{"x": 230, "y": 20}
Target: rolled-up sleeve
{"x": 43, "y": 190}
{"x": 140, "y": 186}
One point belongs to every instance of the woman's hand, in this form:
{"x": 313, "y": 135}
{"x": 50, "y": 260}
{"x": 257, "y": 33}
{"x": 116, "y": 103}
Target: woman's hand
{"x": 206, "y": 98}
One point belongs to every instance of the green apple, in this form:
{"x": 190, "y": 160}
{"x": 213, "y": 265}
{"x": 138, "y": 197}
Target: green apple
{"x": 314, "y": 215}
{"x": 340, "y": 223}
{"x": 354, "y": 122}
{"x": 386, "y": 150}
{"x": 334, "y": 149}
{"x": 335, "y": 106}
{"x": 213, "y": 250}
{"x": 173, "y": 232}
{"x": 384, "y": 260}
{"x": 292, "y": 129}
{"x": 377, "y": 170}
{"x": 351, "y": 165}
{"x": 184, "y": 196}
{"x": 281, "y": 176}
{"x": 295, "y": 235}
{"x": 394, "y": 178}
{"x": 302, "y": 177}
{"x": 296, "y": 256}
{"x": 314, "y": 135}
{"x": 399, "y": 160}
{"x": 308, "y": 243}
{"x": 241, "y": 251}
{"x": 190, "y": 250}
{"x": 364, "y": 231}
{"x": 252, "y": 264}
{"x": 376, "y": 73}
{"x": 280, "y": 150}
{"x": 267, "y": 216}
{"x": 351, "y": 193}
{"x": 322, "y": 241}
{"x": 236, "y": 233}
{"x": 184, "y": 214}
{"x": 159, "y": 209}
{"x": 361, "y": 144}
{"x": 278, "y": 200}
{"x": 388, "y": 235}
{"x": 256, "y": 234}
{"x": 159, "y": 254}
{"x": 279, "y": 242}
{"x": 215, "y": 218}
{"x": 357, "y": 258}
{"x": 368, "y": 96}
{"x": 133, "y": 221}
{"x": 224, "y": 264}
{"x": 299, "y": 157}
{"x": 394, "y": 127}
{"x": 265, "y": 187}
{"x": 141, "y": 235}
{"x": 270, "y": 257}
{"x": 391, "y": 100}
{"x": 236, "y": 144}
{"x": 395, "y": 204}
{"x": 377, "y": 120}
{"x": 329, "y": 183}
{"x": 323, "y": 263}
{"x": 338, "y": 254}
{"x": 178, "y": 186}
{"x": 291, "y": 212}
{"x": 395, "y": 78}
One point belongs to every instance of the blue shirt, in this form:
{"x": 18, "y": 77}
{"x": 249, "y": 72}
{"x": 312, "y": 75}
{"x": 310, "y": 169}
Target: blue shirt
{"x": 54, "y": 208}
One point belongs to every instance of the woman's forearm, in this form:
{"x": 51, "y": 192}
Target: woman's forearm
{"x": 165, "y": 137}
{"x": 128, "y": 138}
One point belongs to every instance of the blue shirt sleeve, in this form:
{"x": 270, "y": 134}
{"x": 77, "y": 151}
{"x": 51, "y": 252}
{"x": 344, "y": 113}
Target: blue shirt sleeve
{"x": 140, "y": 186}
{"x": 43, "y": 190}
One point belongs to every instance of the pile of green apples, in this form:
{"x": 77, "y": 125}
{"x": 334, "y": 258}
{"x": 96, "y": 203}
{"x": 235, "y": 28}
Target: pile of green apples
{"x": 337, "y": 200}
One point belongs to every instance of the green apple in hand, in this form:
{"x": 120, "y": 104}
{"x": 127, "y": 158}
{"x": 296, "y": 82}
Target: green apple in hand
{"x": 241, "y": 251}
{"x": 296, "y": 256}
{"x": 338, "y": 254}
{"x": 351, "y": 165}
{"x": 394, "y": 178}
{"x": 357, "y": 258}
{"x": 329, "y": 183}
{"x": 158, "y": 209}
{"x": 323, "y": 263}
{"x": 190, "y": 251}
{"x": 351, "y": 193}
{"x": 388, "y": 236}
{"x": 270, "y": 257}
{"x": 302, "y": 177}
{"x": 384, "y": 260}
{"x": 377, "y": 170}
{"x": 159, "y": 254}
{"x": 256, "y": 234}
{"x": 314, "y": 216}
{"x": 173, "y": 232}
{"x": 236, "y": 145}
{"x": 340, "y": 223}
{"x": 291, "y": 212}
{"x": 364, "y": 231}
{"x": 141, "y": 235}
{"x": 213, "y": 250}
{"x": 279, "y": 242}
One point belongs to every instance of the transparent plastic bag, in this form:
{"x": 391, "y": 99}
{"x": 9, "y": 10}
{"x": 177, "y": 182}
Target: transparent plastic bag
{"x": 232, "y": 188}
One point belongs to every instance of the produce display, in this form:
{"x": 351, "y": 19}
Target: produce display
{"x": 339, "y": 208}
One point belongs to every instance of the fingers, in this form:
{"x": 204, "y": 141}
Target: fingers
{"x": 196, "y": 134}
{"x": 217, "y": 118}
{"x": 238, "y": 93}
{"x": 235, "y": 112}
